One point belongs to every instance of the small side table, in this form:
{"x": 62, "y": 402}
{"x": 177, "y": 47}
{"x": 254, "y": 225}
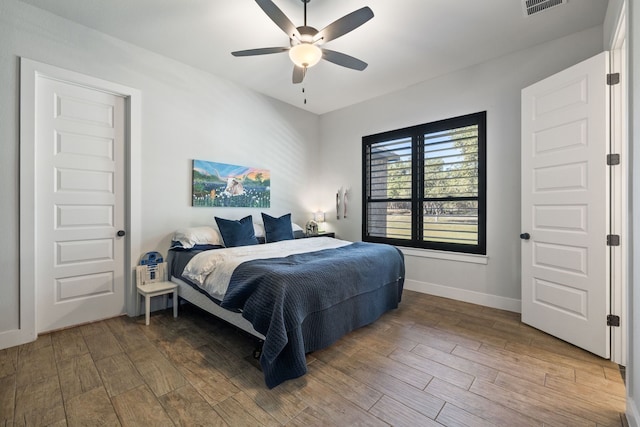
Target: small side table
{"x": 154, "y": 289}
{"x": 322, "y": 234}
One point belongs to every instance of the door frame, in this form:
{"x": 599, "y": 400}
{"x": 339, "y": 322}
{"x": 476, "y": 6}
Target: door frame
{"x": 30, "y": 72}
{"x": 619, "y": 144}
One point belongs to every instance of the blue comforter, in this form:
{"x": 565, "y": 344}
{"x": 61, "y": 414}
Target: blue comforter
{"x": 305, "y": 302}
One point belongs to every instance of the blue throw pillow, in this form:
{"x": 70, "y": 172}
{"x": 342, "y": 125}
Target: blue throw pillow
{"x": 237, "y": 233}
{"x": 277, "y": 229}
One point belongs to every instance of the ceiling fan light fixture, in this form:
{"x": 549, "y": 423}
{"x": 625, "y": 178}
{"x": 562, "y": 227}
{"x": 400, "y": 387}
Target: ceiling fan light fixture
{"x": 305, "y": 55}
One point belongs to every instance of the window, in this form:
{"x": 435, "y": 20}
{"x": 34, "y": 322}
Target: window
{"x": 425, "y": 186}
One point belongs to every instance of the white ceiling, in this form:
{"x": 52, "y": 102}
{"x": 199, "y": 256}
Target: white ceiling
{"x": 407, "y": 41}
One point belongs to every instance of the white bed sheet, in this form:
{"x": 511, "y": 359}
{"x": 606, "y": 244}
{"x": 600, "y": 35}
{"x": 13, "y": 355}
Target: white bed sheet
{"x": 212, "y": 270}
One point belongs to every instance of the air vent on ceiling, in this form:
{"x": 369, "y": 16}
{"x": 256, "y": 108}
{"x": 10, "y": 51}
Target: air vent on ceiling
{"x": 531, "y": 7}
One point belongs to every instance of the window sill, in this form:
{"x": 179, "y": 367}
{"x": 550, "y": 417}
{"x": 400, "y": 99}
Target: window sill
{"x": 449, "y": 256}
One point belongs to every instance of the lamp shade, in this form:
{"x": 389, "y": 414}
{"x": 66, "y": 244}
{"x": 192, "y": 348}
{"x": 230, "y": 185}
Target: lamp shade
{"x": 318, "y": 216}
{"x": 305, "y": 54}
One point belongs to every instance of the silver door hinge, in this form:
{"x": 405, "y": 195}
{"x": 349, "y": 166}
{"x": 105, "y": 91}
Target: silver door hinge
{"x": 613, "y": 159}
{"x": 613, "y": 79}
{"x": 613, "y": 240}
{"x": 613, "y": 320}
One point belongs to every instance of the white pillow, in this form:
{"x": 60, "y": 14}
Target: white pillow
{"x": 205, "y": 235}
{"x": 258, "y": 229}
{"x": 295, "y": 227}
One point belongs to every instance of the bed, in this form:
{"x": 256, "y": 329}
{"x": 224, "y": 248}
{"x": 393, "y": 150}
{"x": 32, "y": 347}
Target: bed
{"x": 297, "y": 295}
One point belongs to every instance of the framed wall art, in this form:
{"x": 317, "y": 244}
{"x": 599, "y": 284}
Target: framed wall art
{"x": 222, "y": 185}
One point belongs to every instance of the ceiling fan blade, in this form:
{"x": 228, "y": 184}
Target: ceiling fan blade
{"x": 279, "y": 18}
{"x": 343, "y": 60}
{"x": 261, "y": 51}
{"x": 298, "y": 74}
{"x": 343, "y": 25}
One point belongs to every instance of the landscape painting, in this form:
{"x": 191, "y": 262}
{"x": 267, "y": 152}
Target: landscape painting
{"x": 223, "y": 185}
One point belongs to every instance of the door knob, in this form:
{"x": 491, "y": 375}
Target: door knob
{"x": 525, "y": 236}
{"x": 121, "y": 233}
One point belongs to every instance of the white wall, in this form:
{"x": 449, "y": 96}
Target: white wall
{"x": 493, "y": 86}
{"x": 610, "y": 24}
{"x": 186, "y": 114}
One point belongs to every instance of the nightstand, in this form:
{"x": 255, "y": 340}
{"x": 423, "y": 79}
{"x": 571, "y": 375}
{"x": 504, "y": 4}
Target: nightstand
{"x": 322, "y": 235}
{"x": 155, "y": 287}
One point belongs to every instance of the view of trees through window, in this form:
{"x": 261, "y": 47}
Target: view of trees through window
{"x": 424, "y": 186}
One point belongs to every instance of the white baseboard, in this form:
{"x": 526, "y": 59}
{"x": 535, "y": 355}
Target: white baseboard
{"x": 494, "y": 301}
{"x": 16, "y": 337}
{"x": 633, "y": 415}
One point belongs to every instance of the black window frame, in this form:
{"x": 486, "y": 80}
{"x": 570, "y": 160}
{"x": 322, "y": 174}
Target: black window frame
{"x": 416, "y": 133}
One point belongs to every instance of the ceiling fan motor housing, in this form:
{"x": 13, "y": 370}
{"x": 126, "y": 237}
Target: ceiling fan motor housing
{"x": 306, "y": 35}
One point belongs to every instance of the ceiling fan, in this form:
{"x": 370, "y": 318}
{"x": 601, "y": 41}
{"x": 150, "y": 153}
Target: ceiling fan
{"x": 305, "y": 42}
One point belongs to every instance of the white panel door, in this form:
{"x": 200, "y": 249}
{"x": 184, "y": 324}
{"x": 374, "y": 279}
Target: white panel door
{"x": 565, "y": 182}
{"x": 79, "y": 204}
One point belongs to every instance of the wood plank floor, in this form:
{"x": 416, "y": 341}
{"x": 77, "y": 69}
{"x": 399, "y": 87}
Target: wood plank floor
{"x": 433, "y": 361}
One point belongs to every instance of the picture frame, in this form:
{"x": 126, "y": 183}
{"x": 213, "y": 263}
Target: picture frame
{"x": 224, "y": 185}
